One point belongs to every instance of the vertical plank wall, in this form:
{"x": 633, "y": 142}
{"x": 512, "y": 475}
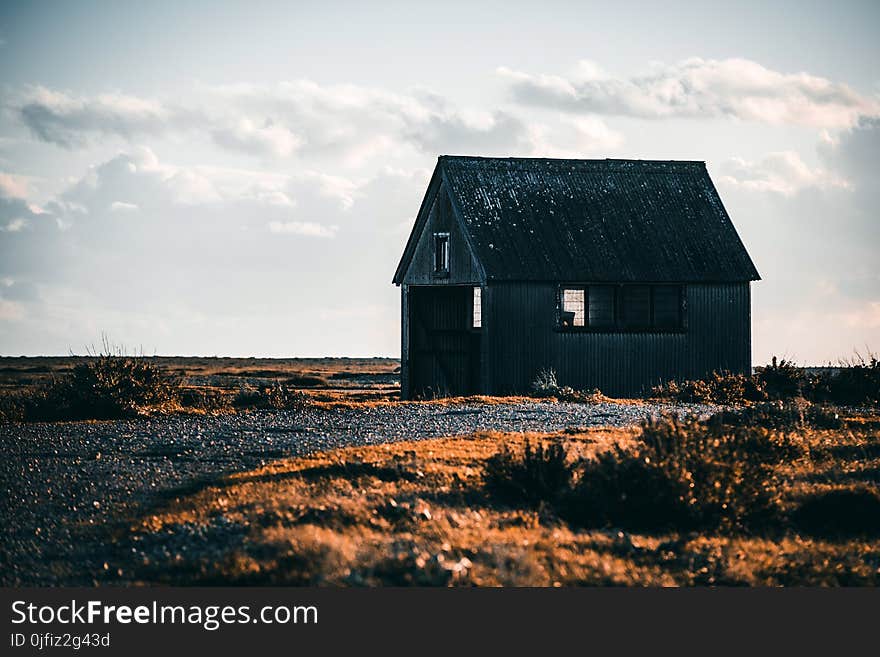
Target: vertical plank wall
{"x": 519, "y": 321}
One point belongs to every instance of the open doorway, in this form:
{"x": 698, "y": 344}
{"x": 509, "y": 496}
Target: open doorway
{"x": 444, "y": 350}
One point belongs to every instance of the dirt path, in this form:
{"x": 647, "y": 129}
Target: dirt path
{"x": 69, "y": 488}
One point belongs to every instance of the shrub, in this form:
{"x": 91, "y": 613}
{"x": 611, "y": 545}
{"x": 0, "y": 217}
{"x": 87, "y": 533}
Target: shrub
{"x": 683, "y": 474}
{"x": 567, "y": 394}
{"x": 274, "y": 397}
{"x": 782, "y": 379}
{"x": 840, "y": 512}
{"x": 538, "y": 474}
{"x": 11, "y": 408}
{"x": 107, "y": 386}
{"x": 205, "y": 398}
{"x": 622, "y": 489}
{"x": 784, "y": 415}
{"x": 545, "y": 384}
{"x": 857, "y": 382}
{"x": 719, "y": 388}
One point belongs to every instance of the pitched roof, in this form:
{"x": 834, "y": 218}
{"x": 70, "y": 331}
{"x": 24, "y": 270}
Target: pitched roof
{"x": 595, "y": 220}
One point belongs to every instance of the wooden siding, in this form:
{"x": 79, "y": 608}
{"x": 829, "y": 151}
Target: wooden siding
{"x": 520, "y": 334}
{"x": 463, "y": 268}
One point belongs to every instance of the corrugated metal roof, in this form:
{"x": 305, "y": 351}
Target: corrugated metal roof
{"x": 595, "y": 220}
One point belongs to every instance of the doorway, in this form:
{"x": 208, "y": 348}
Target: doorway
{"x": 444, "y": 348}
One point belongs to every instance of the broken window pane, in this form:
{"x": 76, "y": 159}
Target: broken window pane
{"x": 478, "y": 307}
{"x": 572, "y": 307}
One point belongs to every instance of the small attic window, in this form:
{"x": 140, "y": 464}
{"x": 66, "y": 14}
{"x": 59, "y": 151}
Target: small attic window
{"x": 441, "y": 253}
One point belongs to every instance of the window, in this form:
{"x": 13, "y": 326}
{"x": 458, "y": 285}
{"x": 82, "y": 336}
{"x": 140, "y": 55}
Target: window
{"x": 572, "y": 307}
{"x": 478, "y": 307}
{"x": 621, "y": 307}
{"x": 441, "y": 253}
{"x": 601, "y": 306}
{"x": 635, "y": 306}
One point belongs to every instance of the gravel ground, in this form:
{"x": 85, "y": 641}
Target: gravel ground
{"x": 69, "y": 489}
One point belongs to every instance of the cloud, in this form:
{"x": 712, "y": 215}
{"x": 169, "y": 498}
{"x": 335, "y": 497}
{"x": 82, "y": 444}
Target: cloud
{"x": 355, "y": 124}
{"x": 349, "y": 125}
{"x": 14, "y": 225}
{"x": 66, "y": 120}
{"x": 15, "y": 211}
{"x": 13, "y": 186}
{"x": 704, "y": 88}
{"x": 266, "y": 139}
{"x": 13, "y": 294}
{"x": 151, "y": 186}
{"x": 306, "y": 228}
{"x": 201, "y": 269}
{"x": 574, "y": 137}
{"x": 781, "y": 173}
{"x": 122, "y": 207}
{"x": 855, "y": 153}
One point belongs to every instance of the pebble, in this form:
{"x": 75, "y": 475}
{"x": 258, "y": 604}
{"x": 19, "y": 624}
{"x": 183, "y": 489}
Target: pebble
{"x": 70, "y": 487}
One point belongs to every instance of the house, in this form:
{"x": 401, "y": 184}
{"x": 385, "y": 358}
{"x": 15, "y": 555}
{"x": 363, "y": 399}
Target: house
{"x": 617, "y": 274}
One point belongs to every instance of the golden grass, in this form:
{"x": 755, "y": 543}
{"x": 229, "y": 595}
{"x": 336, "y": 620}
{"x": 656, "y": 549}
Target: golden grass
{"x": 418, "y": 514}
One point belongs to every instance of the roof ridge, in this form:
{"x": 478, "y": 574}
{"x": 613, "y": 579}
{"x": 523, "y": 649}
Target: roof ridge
{"x": 483, "y": 158}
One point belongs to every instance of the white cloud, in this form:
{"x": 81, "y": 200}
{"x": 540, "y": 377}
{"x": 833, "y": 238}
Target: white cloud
{"x": 782, "y": 173}
{"x": 574, "y": 137}
{"x": 305, "y": 228}
{"x": 146, "y": 184}
{"x": 66, "y": 120}
{"x": 122, "y": 207}
{"x": 346, "y": 124}
{"x": 266, "y": 139}
{"x": 735, "y": 88}
{"x": 13, "y": 186}
{"x": 15, "y": 225}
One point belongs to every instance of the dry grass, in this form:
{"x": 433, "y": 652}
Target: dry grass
{"x": 420, "y": 514}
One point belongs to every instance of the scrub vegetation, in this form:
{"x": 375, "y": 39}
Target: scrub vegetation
{"x": 772, "y": 481}
{"x": 786, "y": 500}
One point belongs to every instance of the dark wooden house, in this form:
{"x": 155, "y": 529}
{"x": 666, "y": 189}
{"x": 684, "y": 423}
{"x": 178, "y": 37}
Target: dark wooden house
{"x": 617, "y": 274}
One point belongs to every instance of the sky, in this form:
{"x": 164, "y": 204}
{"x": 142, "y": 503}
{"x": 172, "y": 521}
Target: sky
{"x": 240, "y": 178}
